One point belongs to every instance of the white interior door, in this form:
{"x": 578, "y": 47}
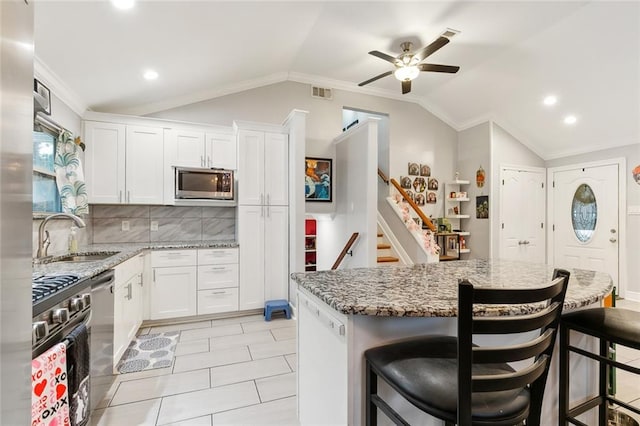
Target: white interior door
{"x": 522, "y": 215}
{"x": 585, "y": 218}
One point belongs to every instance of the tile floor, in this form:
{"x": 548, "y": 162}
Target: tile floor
{"x": 230, "y": 371}
{"x": 241, "y": 371}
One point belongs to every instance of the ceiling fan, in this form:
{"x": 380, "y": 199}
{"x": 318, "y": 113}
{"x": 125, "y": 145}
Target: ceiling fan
{"x": 408, "y": 64}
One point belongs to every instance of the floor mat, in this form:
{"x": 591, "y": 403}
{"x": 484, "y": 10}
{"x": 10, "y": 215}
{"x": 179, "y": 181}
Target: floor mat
{"x": 149, "y": 351}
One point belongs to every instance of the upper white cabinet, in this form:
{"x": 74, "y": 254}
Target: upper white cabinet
{"x": 104, "y": 170}
{"x": 220, "y": 150}
{"x": 124, "y": 164}
{"x": 188, "y": 148}
{"x": 144, "y": 166}
{"x": 263, "y": 168}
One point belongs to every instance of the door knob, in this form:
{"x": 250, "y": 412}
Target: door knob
{"x": 613, "y": 240}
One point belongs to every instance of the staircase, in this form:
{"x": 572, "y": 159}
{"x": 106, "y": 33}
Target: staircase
{"x": 386, "y": 254}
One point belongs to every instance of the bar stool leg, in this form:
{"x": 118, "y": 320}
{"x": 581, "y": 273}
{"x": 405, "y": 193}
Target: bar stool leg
{"x": 371, "y": 411}
{"x": 563, "y": 364}
{"x": 603, "y": 384}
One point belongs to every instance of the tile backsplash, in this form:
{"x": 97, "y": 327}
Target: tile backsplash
{"x": 161, "y": 223}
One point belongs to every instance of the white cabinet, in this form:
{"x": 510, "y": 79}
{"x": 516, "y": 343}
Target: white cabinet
{"x": 124, "y": 164}
{"x": 104, "y": 169}
{"x": 173, "y": 292}
{"x": 217, "y": 280}
{"x": 263, "y": 168}
{"x": 220, "y": 150}
{"x": 202, "y": 149}
{"x": 128, "y": 304}
{"x": 264, "y": 246}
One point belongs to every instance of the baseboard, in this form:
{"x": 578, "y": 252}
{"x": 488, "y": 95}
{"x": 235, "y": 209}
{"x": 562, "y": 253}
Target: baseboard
{"x": 632, "y": 295}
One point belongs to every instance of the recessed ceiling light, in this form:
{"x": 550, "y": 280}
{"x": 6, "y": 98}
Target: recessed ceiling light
{"x": 123, "y": 4}
{"x": 570, "y": 119}
{"x": 550, "y": 100}
{"x": 150, "y": 75}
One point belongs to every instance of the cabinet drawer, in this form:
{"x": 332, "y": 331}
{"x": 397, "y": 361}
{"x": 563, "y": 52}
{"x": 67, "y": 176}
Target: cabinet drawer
{"x": 217, "y": 276}
{"x": 173, "y": 258}
{"x": 217, "y": 256}
{"x": 214, "y": 301}
{"x": 127, "y": 269}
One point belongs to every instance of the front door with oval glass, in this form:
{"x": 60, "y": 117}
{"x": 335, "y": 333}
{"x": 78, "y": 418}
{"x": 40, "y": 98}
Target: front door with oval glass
{"x": 585, "y": 218}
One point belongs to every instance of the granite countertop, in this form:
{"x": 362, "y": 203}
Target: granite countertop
{"x": 431, "y": 290}
{"x": 122, "y": 252}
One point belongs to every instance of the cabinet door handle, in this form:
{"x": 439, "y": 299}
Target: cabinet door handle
{"x": 261, "y": 199}
{"x": 201, "y": 161}
{"x": 261, "y": 211}
{"x": 208, "y": 161}
{"x": 218, "y": 292}
{"x": 268, "y": 199}
{"x": 129, "y": 292}
{"x": 220, "y": 268}
{"x": 128, "y": 197}
{"x": 154, "y": 275}
{"x": 120, "y": 197}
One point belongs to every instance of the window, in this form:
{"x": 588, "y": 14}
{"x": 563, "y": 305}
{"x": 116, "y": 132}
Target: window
{"x": 45, "y": 190}
{"x": 584, "y": 213}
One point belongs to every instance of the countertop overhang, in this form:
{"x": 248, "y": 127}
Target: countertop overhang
{"x": 125, "y": 251}
{"x": 431, "y": 290}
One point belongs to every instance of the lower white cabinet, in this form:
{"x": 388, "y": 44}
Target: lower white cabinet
{"x": 128, "y": 304}
{"x": 217, "y": 280}
{"x": 193, "y": 282}
{"x": 174, "y": 281}
{"x": 218, "y": 300}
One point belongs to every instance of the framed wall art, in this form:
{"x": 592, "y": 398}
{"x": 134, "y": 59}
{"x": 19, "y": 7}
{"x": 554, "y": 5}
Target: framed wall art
{"x": 318, "y": 179}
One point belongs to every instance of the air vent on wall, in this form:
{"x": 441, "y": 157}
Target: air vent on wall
{"x": 321, "y": 92}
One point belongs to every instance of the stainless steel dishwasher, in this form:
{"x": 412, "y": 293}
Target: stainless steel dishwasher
{"x": 101, "y": 336}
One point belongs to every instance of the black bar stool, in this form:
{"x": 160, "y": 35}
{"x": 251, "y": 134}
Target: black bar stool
{"x": 610, "y": 325}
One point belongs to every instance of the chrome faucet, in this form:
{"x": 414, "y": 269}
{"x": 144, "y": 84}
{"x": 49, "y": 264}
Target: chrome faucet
{"x": 43, "y": 236}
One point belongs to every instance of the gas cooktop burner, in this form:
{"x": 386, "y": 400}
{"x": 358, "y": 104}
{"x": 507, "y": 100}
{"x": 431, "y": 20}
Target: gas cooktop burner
{"x": 46, "y": 285}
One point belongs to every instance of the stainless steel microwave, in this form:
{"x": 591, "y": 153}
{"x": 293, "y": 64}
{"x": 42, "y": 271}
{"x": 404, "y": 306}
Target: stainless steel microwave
{"x": 207, "y": 184}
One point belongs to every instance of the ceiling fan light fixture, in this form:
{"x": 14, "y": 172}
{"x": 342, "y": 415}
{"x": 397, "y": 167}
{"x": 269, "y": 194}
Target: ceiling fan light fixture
{"x": 406, "y": 73}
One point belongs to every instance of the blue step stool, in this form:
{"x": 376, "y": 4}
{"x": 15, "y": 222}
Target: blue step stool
{"x": 271, "y": 306}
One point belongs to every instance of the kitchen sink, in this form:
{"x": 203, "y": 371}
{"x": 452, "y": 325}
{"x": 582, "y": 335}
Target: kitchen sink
{"x": 87, "y": 257}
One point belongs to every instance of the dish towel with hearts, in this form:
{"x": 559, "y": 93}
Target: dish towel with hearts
{"x": 78, "y": 371}
{"x": 49, "y": 395}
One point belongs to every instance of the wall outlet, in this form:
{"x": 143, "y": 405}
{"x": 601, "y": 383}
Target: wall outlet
{"x": 125, "y": 225}
{"x": 154, "y": 225}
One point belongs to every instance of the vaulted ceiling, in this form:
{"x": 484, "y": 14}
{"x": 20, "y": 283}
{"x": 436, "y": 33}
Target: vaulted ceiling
{"x": 511, "y": 55}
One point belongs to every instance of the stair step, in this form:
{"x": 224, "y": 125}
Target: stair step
{"x": 383, "y": 246}
{"x": 385, "y": 259}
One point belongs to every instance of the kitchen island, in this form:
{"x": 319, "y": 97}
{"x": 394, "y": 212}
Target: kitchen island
{"x": 343, "y": 313}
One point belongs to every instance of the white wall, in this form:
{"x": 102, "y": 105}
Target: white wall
{"x": 356, "y": 195}
{"x": 505, "y": 150}
{"x": 632, "y": 155}
{"x": 474, "y": 146}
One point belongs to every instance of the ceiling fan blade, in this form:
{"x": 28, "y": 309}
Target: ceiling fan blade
{"x": 377, "y": 77}
{"x": 384, "y": 56}
{"x": 423, "y": 53}
{"x": 438, "y": 68}
{"x": 406, "y": 86}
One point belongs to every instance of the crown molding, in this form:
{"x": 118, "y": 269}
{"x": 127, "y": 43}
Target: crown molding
{"x": 588, "y": 150}
{"x": 205, "y": 95}
{"x": 58, "y": 88}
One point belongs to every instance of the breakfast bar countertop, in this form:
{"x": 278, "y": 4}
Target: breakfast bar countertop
{"x": 430, "y": 290}
{"x": 123, "y": 251}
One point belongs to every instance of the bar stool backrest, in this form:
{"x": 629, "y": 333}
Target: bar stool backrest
{"x": 546, "y": 304}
